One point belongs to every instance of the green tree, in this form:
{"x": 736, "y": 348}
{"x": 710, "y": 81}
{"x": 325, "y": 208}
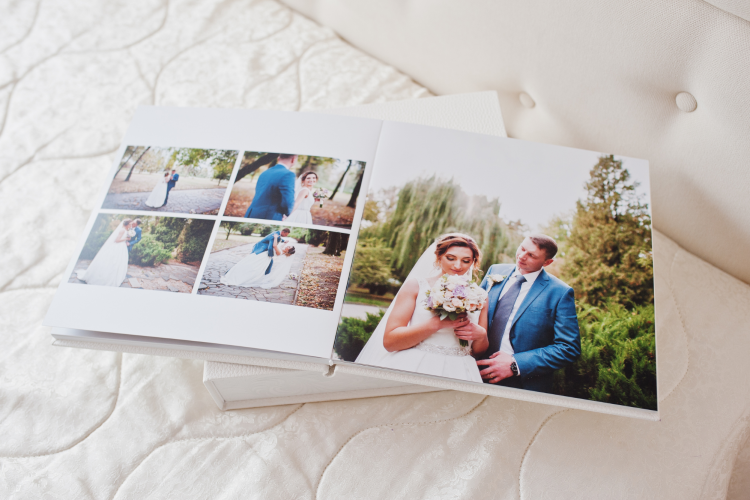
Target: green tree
{"x": 194, "y": 160}
{"x": 167, "y": 231}
{"x": 300, "y": 234}
{"x": 371, "y": 267}
{"x": 427, "y": 208}
{"x": 222, "y": 171}
{"x": 618, "y": 357}
{"x": 336, "y": 243}
{"x": 194, "y": 240}
{"x": 229, "y": 226}
{"x": 102, "y": 229}
{"x": 353, "y": 334}
{"x": 608, "y": 254}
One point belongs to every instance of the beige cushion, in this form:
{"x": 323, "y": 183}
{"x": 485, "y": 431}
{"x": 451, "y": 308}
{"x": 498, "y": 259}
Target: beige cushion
{"x": 597, "y": 75}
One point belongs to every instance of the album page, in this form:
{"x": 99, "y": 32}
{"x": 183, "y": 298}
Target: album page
{"x": 498, "y": 262}
{"x": 231, "y": 227}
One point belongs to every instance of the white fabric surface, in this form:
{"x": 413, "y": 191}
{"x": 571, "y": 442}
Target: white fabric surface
{"x": 596, "y": 75}
{"x": 92, "y": 424}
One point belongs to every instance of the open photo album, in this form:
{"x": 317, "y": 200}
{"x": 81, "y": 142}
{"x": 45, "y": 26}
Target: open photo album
{"x": 394, "y": 251}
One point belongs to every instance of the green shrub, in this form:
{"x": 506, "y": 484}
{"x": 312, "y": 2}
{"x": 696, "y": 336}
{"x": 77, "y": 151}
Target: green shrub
{"x": 266, "y": 230}
{"x": 371, "y": 267}
{"x": 148, "y": 252}
{"x": 617, "y": 363}
{"x": 247, "y": 229}
{"x": 299, "y": 234}
{"x": 353, "y": 334}
{"x": 194, "y": 239}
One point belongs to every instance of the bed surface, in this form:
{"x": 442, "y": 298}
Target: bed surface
{"x": 91, "y": 424}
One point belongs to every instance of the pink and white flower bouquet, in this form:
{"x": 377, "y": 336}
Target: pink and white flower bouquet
{"x": 453, "y": 295}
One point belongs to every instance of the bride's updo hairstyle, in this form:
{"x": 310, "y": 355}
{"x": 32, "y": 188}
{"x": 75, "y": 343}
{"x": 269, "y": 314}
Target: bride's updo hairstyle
{"x": 126, "y": 222}
{"x": 291, "y": 251}
{"x": 307, "y": 174}
{"x": 449, "y": 240}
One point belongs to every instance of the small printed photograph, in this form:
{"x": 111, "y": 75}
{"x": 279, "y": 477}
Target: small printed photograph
{"x": 275, "y": 263}
{"x": 540, "y": 277}
{"x": 146, "y": 252}
{"x": 297, "y": 189}
{"x": 177, "y": 180}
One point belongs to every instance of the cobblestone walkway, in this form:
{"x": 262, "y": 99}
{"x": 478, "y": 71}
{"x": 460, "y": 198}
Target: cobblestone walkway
{"x": 184, "y": 201}
{"x": 222, "y": 261}
{"x": 172, "y": 277}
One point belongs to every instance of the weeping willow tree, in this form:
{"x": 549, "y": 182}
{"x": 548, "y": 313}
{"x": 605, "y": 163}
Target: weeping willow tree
{"x": 427, "y": 208}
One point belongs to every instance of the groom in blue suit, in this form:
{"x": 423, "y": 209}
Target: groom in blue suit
{"x": 532, "y": 325}
{"x": 135, "y": 226}
{"x": 274, "y": 192}
{"x": 173, "y": 178}
{"x": 266, "y": 245}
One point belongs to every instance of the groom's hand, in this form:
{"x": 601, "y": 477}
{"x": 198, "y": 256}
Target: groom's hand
{"x": 498, "y": 367}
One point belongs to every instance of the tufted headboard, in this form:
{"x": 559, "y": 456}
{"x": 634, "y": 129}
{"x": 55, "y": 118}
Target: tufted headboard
{"x": 664, "y": 80}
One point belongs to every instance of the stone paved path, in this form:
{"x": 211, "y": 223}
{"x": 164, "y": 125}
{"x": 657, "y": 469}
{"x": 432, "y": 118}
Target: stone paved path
{"x": 171, "y": 277}
{"x": 220, "y": 262}
{"x": 185, "y": 201}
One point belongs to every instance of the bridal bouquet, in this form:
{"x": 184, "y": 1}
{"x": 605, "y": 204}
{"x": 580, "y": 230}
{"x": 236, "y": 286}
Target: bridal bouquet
{"x": 131, "y": 233}
{"x": 320, "y": 194}
{"x": 292, "y": 276}
{"x": 452, "y": 295}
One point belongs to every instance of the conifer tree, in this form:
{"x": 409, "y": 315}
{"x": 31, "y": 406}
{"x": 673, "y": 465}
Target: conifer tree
{"x": 608, "y": 253}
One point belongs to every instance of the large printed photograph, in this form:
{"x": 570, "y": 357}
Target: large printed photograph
{"x": 530, "y": 268}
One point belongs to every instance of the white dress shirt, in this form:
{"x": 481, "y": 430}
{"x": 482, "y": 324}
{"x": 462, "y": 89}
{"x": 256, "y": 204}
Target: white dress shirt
{"x": 505, "y": 345}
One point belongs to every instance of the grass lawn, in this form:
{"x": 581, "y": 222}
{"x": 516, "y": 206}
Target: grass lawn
{"x": 145, "y": 182}
{"x": 356, "y": 295}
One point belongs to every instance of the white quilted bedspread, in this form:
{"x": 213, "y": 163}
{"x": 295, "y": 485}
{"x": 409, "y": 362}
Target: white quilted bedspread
{"x": 90, "y": 424}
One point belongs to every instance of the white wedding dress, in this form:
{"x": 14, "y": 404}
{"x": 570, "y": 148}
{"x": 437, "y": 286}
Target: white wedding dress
{"x": 251, "y": 271}
{"x": 301, "y": 214}
{"x": 158, "y": 194}
{"x": 110, "y": 265}
{"x": 440, "y": 354}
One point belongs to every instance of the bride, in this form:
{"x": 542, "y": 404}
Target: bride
{"x": 110, "y": 265}
{"x": 304, "y": 201}
{"x": 159, "y": 193}
{"x": 411, "y": 338}
{"x": 251, "y": 271}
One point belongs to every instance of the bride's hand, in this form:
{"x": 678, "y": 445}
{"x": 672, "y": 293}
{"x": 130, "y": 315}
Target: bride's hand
{"x": 459, "y": 322}
{"x": 471, "y": 331}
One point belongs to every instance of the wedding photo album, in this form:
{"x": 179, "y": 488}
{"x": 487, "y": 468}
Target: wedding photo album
{"x": 397, "y": 251}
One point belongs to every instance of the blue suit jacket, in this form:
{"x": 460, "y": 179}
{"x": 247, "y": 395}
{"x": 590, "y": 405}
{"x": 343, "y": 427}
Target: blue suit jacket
{"x": 274, "y": 194}
{"x": 137, "y": 238}
{"x": 266, "y": 245}
{"x": 173, "y": 181}
{"x": 544, "y": 333}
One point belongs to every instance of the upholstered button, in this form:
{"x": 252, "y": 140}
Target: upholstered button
{"x": 686, "y": 102}
{"x": 526, "y": 100}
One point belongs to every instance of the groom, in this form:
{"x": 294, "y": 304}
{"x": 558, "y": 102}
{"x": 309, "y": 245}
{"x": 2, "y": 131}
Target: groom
{"x": 173, "y": 178}
{"x": 274, "y": 192}
{"x": 135, "y": 226}
{"x": 266, "y": 245}
{"x": 532, "y": 327}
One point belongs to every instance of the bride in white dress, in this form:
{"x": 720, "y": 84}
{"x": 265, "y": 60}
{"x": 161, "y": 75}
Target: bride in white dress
{"x": 159, "y": 193}
{"x": 413, "y": 339}
{"x": 251, "y": 271}
{"x": 304, "y": 200}
{"x": 110, "y": 265}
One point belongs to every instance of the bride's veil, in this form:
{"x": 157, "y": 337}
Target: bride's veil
{"x": 374, "y": 351}
{"x": 111, "y": 239}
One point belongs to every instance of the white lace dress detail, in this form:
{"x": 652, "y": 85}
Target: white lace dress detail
{"x": 440, "y": 354}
